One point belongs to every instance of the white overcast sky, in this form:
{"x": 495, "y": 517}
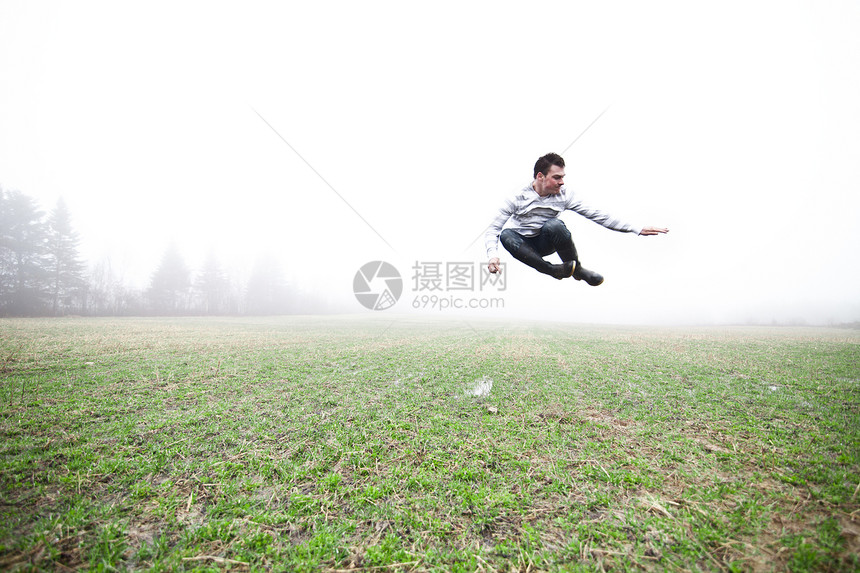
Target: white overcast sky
{"x": 735, "y": 124}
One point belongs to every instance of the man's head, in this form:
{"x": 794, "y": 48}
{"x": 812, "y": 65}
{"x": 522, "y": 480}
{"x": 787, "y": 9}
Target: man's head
{"x": 549, "y": 174}
{"x": 544, "y": 163}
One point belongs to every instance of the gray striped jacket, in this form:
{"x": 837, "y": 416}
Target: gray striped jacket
{"x": 526, "y": 212}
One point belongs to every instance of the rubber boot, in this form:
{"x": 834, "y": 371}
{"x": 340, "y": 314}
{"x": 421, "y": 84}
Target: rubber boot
{"x": 583, "y": 274}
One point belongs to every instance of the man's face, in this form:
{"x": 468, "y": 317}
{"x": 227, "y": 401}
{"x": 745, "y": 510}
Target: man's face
{"x": 550, "y": 184}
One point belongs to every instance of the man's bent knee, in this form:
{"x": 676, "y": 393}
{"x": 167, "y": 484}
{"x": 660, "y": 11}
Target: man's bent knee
{"x": 555, "y": 227}
{"x": 511, "y": 240}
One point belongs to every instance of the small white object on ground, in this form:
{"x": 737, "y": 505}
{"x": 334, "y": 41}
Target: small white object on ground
{"x": 481, "y": 387}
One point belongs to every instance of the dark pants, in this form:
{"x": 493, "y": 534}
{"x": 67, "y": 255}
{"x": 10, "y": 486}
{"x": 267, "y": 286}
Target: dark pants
{"x": 553, "y": 238}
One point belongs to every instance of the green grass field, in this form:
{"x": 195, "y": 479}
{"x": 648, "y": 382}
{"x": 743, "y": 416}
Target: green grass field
{"x": 338, "y": 443}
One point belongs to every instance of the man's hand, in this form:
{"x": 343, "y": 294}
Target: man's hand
{"x": 646, "y": 231}
{"x": 493, "y": 265}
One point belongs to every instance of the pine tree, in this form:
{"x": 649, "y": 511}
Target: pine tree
{"x": 66, "y": 281}
{"x": 169, "y": 289}
{"x": 213, "y": 287}
{"x": 23, "y": 284}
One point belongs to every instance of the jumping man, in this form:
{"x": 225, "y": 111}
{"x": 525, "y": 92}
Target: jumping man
{"x": 536, "y": 231}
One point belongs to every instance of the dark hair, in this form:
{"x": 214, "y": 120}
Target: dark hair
{"x": 544, "y": 163}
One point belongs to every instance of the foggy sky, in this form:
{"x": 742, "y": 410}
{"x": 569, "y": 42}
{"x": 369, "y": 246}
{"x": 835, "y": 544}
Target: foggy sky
{"x": 735, "y": 124}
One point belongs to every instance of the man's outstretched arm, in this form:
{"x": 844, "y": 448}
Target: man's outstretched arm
{"x": 647, "y": 231}
{"x": 491, "y": 238}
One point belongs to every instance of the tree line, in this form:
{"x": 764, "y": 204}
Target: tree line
{"x": 43, "y": 274}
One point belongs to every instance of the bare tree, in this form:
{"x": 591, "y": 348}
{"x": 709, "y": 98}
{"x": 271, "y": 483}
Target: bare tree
{"x": 268, "y": 291}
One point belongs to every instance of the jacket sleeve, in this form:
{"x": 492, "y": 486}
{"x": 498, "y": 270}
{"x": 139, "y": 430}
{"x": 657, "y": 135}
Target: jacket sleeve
{"x": 602, "y": 217}
{"x": 491, "y": 237}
